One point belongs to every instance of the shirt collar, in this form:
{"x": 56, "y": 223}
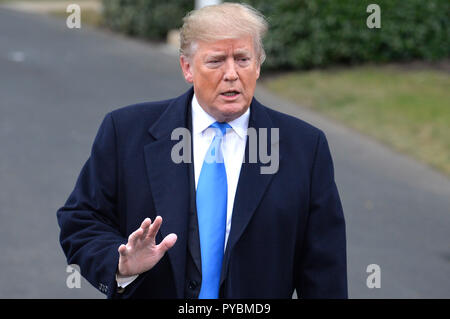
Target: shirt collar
{"x": 201, "y": 120}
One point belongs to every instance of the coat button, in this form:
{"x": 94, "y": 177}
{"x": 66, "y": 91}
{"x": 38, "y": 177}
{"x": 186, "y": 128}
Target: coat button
{"x": 193, "y": 284}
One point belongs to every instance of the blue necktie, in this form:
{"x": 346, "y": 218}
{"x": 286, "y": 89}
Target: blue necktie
{"x": 212, "y": 214}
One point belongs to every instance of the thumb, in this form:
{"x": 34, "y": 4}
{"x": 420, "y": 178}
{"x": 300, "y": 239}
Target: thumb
{"x": 168, "y": 242}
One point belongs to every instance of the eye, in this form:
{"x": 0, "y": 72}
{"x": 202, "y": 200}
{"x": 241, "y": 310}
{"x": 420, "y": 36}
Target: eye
{"x": 243, "y": 60}
{"x": 213, "y": 62}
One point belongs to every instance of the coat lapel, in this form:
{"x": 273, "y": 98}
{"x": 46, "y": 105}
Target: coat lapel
{"x": 169, "y": 183}
{"x": 251, "y": 186}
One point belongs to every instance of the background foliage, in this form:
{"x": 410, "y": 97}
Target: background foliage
{"x": 305, "y": 34}
{"x": 150, "y": 19}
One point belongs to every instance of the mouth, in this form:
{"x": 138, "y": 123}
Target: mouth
{"x": 230, "y": 94}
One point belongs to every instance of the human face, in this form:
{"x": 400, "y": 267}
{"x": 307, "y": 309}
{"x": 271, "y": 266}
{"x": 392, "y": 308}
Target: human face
{"x": 224, "y": 75}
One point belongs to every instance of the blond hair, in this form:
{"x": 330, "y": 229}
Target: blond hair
{"x": 223, "y": 21}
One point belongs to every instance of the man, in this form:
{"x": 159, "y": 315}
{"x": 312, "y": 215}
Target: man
{"x": 225, "y": 228}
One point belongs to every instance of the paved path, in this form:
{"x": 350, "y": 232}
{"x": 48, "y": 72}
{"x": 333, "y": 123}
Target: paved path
{"x": 57, "y": 84}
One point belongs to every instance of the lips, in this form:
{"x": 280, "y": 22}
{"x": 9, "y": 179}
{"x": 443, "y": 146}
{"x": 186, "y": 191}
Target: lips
{"x": 230, "y": 93}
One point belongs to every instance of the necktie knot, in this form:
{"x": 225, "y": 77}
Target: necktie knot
{"x": 222, "y": 126}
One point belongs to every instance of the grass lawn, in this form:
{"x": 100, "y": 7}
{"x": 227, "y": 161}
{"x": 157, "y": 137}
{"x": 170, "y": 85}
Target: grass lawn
{"x": 408, "y": 109}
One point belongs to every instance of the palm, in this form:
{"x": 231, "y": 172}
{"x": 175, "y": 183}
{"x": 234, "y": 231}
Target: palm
{"x": 141, "y": 252}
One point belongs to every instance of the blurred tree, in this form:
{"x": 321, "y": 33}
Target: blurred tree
{"x": 305, "y": 34}
{"x": 315, "y": 33}
{"x": 150, "y": 19}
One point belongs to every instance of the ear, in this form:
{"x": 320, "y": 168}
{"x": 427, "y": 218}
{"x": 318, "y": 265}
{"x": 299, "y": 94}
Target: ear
{"x": 186, "y": 68}
{"x": 258, "y": 70}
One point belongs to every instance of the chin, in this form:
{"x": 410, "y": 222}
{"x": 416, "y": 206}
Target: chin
{"x": 230, "y": 112}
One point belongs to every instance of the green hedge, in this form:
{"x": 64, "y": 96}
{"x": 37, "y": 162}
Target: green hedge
{"x": 317, "y": 33}
{"x": 150, "y": 19}
{"x": 313, "y": 33}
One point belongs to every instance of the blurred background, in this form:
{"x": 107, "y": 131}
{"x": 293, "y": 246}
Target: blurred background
{"x": 375, "y": 79}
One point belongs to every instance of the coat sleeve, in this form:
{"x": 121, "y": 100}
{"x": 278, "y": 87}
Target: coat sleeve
{"x": 323, "y": 261}
{"x": 89, "y": 221}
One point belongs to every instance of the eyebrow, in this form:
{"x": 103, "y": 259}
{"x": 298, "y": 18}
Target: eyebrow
{"x": 241, "y": 52}
{"x": 217, "y": 55}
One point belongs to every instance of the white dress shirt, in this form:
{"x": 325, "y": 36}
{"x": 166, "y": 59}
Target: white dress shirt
{"x": 233, "y": 150}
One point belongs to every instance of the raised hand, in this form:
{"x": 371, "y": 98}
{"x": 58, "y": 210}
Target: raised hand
{"x": 141, "y": 252}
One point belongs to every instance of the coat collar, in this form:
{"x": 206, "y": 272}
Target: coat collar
{"x": 173, "y": 117}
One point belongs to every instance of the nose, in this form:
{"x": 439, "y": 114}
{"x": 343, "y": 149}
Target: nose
{"x": 230, "y": 71}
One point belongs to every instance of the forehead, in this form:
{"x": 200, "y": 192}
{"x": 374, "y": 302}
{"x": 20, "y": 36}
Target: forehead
{"x": 243, "y": 44}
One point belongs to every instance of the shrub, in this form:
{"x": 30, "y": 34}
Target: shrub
{"x": 316, "y": 33}
{"x": 313, "y": 33}
{"x": 150, "y": 19}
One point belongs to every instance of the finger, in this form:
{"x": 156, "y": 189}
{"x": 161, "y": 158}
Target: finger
{"x": 167, "y": 242}
{"x": 154, "y": 228}
{"x": 145, "y": 227}
{"x": 132, "y": 239}
{"x": 122, "y": 250}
